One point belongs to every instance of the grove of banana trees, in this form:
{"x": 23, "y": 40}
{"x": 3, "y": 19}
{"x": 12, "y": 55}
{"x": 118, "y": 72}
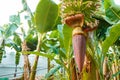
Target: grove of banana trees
{"x": 82, "y": 37}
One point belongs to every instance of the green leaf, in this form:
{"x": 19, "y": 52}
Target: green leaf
{"x": 15, "y": 46}
{"x": 24, "y": 5}
{"x": 52, "y": 71}
{"x": 50, "y": 56}
{"x": 117, "y": 43}
{"x": 61, "y": 36}
{"x": 113, "y": 36}
{"x": 10, "y": 30}
{"x": 15, "y": 19}
{"x": 65, "y": 38}
{"x": 116, "y": 74}
{"x": 58, "y": 61}
{"x": 112, "y": 11}
{"x": 31, "y": 40}
{"x": 46, "y": 15}
{"x": 101, "y": 30}
{"x": 67, "y": 32}
{"x": 17, "y": 39}
{"x": 10, "y": 43}
{"x": 62, "y": 53}
{"x": 1, "y": 29}
{"x": 58, "y": 22}
{"x": 27, "y": 9}
{"x": 54, "y": 34}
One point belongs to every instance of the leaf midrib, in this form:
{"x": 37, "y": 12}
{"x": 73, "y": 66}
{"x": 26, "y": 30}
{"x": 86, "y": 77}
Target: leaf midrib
{"x": 115, "y": 13}
{"x": 46, "y": 15}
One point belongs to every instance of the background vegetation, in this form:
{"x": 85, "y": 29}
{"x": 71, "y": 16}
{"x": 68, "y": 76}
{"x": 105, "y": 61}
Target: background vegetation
{"x": 49, "y": 37}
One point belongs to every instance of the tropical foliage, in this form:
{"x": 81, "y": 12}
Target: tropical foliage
{"x": 48, "y": 37}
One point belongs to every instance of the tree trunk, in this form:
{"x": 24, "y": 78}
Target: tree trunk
{"x": 105, "y": 69}
{"x": 116, "y": 66}
{"x": 26, "y": 61}
{"x": 97, "y": 75}
{"x": 114, "y": 71}
{"x": 26, "y": 67}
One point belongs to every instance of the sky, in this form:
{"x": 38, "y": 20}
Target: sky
{"x": 10, "y": 7}
{"x": 7, "y": 8}
{"x": 117, "y": 2}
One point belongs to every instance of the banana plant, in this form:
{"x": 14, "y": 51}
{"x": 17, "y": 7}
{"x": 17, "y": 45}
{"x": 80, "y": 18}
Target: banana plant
{"x": 96, "y": 53}
{"x": 78, "y": 15}
{"x": 43, "y": 23}
{"x": 6, "y": 32}
{"x": 31, "y": 42}
{"x": 106, "y": 31}
{"x": 1, "y": 44}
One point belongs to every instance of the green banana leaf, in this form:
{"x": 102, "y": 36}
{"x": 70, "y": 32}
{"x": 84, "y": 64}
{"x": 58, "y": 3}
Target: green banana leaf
{"x": 114, "y": 34}
{"x": 52, "y": 71}
{"x": 46, "y": 15}
{"x": 112, "y": 11}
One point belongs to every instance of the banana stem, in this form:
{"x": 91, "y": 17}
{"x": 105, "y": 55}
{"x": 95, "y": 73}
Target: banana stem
{"x": 26, "y": 61}
{"x": 73, "y": 70}
{"x": 34, "y": 67}
{"x": 105, "y": 69}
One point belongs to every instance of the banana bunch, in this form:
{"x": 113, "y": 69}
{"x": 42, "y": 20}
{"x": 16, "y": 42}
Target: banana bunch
{"x": 86, "y": 7}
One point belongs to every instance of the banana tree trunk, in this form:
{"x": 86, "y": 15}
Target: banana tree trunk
{"x": 97, "y": 75}
{"x": 26, "y": 67}
{"x": 26, "y": 61}
{"x": 73, "y": 70}
{"x": 116, "y": 66}
{"x": 105, "y": 69}
{"x": 114, "y": 71}
{"x": 34, "y": 67}
{"x": 89, "y": 70}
